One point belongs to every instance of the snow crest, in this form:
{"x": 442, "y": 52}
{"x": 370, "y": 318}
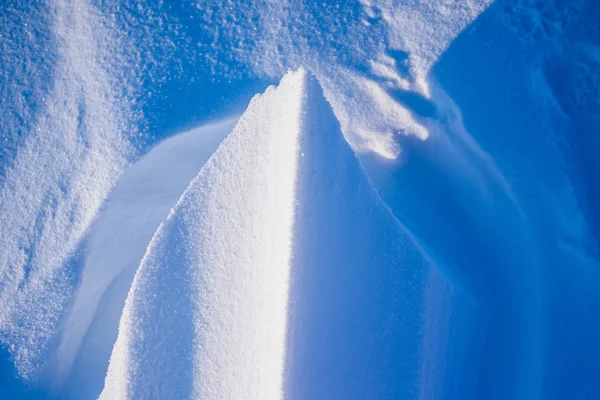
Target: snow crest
{"x": 277, "y": 260}
{"x": 206, "y": 315}
{"x": 113, "y": 248}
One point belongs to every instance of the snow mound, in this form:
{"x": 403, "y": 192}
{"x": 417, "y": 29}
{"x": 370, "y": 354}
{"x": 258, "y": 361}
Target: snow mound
{"x": 62, "y": 170}
{"x": 282, "y": 208}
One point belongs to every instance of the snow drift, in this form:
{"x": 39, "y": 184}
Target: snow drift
{"x": 113, "y": 248}
{"x": 206, "y": 315}
{"x": 357, "y": 280}
{"x": 282, "y": 205}
{"x": 485, "y": 113}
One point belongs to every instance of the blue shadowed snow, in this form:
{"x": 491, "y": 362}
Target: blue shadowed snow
{"x": 355, "y": 315}
{"x": 448, "y": 248}
{"x": 533, "y": 106}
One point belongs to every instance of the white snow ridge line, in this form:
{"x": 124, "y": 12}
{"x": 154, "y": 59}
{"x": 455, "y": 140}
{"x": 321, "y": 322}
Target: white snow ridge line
{"x": 206, "y": 315}
{"x": 210, "y": 315}
{"x": 113, "y": 248}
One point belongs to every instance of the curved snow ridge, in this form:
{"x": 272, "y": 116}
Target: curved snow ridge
{"x": 206, "y": 315}
{"x": 278, "y": 260}
{"x": 114, "y": 246}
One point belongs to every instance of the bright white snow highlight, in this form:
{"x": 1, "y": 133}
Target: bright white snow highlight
{"x": 206, "y": 315}
{"x": 282, "y": 207}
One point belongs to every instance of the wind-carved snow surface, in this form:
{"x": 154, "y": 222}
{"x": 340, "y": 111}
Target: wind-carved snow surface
{"x": 282, "y": 207}
{"x": 480, "y": 141}
{"x": 57, "y": 181}
{"x": 372, "y": 57}
{"x": 113, "y": 248}
{"x": 418, "y": 32}
{"x": 356, "y": 294}
{"x": 206, "y": 314}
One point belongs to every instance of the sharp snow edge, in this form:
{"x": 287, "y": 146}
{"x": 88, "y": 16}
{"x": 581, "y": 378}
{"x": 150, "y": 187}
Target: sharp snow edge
{"x": 278, "y": 258}
{"x": 205, "y": 317}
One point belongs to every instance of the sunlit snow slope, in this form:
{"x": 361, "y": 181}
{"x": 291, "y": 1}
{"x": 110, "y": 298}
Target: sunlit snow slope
{"x": 206, "y": 314}
{"x": 283, "y": 205}
{"x": 113, "y": 248}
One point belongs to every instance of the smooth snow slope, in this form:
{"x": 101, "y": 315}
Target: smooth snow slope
{"x": 113, "y": 249}
{"x": 206, "y": 314}
{"x": 533, "y": 106}
{"x": 356, "y": 300}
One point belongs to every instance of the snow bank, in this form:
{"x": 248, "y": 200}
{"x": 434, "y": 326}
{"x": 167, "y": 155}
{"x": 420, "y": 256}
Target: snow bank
{"x": 505, "y": 203}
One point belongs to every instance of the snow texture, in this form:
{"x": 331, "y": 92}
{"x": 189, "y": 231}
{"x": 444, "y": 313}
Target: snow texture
{"x": 113, "y": 248}
{"x": 206, "y": 314}
{"x": 475, "y": 121}
{"x": 58, "y": 179}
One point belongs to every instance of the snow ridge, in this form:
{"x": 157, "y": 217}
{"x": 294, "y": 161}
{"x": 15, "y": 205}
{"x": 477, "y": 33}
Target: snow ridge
{"x": 357, "y": 277}
{"x": 277, "y": 260}
{"x": 113, "y": 248}
{"x": 206, "y": 315}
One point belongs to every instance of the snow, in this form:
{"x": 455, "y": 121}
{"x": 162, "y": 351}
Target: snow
{"x": 206, "y": 313}
{"x": 512, "y": 105}
{"x": 284, "y": 194}
{"x": 456, "y": 142}
{"x": 63, "y": 170}
{"x": 346, "y": 45}
{"x": 114, "y": 247}
{"x": 357, "y": 276}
